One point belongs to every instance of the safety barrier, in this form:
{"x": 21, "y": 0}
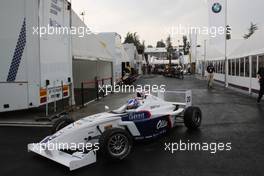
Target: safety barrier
{"x": 91, "y": 90}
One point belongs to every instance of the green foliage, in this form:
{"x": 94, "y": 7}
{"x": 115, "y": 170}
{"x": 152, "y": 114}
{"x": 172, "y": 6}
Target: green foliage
{"x": 169, "y": 48}
{"x": 134, "y": 38}
{"x": 251, "y": 30}
{"x": 161, "y": 44}
{"x": 186, "y": 45}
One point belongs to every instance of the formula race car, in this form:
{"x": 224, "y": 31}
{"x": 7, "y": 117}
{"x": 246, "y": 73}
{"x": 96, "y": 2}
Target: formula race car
{"x": 112, "y": 133}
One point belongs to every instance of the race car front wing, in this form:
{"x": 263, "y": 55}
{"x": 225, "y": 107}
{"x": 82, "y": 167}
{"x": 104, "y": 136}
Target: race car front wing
{"x": 72, "y": 161}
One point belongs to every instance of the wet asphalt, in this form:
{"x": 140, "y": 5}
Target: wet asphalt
{"x": 228, "y": 117}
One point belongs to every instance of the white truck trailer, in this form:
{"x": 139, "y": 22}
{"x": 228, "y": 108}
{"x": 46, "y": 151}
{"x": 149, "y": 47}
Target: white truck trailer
{"x": 34, "y": 70}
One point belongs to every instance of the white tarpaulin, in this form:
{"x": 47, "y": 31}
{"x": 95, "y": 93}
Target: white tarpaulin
{"x": 88, "y": 47}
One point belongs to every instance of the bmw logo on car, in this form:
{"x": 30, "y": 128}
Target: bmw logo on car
{"x": 217, "y": 7}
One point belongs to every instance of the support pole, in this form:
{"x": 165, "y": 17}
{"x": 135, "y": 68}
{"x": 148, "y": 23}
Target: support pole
{"x": 55, "y": 106}
{"x": 47, "y": 104}
{"x": 250, "y": 75}
{"x": 96, "y": 87}
{"x": 226, "y": 60}
{"x": 62, "y": 96}
{"x": 103, "y": 86}
{"x": 204, "y": 59}
{"x": 82, "y": 94}
{"x": 112, "y": 84}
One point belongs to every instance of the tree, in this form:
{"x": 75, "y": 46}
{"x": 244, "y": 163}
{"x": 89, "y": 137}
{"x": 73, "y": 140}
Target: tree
{"x": 161, "y": 44}
{"x": 129, "y": 38}
{"x": 251, "y": 30}
{"x": 186, "y": 45}
{"x": 169, "y": 44}
{"x": 134, "y": 38}
{"x": 141, "y": 48}
{"x": 169, "y": 49}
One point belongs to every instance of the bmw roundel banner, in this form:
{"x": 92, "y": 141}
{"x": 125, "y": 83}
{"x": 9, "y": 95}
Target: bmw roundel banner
{"x": 217, "y": 12}
{"x": 217, "y": 7}
{"x": 217, "y": 18}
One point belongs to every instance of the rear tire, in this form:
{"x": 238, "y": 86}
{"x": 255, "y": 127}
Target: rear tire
{"x": 193, "y": 118}
{"x": 115, "y": 143}
{"x": 61, "y": 123}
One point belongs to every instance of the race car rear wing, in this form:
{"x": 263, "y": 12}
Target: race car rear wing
{"x": 187, "y": 102}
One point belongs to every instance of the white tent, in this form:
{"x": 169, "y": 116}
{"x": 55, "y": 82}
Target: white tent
{"x": 89, "y": 47}
{"x": 124, "y": 55}
{"x": 252, "y": 46}
{"x": 212, "y": 52}
{"x": 114, "y": 45}
{"x": 90, "y": 56}
{"x": 236, "y": 48}
{"x": 216, "y": 52}
{"x": 132, "y": 53}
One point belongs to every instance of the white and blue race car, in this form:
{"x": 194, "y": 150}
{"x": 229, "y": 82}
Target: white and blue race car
{"x": 112, "y": 133}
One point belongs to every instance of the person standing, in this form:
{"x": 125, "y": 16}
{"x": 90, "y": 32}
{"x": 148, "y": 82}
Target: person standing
{"x": 261, "y": 83}
{"x": 189, "y": 69}
{"x": 144, "y": 69}
{"x": 210, "y": 70}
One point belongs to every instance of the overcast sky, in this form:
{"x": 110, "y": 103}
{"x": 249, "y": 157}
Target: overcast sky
{"x": 151, "y": 18}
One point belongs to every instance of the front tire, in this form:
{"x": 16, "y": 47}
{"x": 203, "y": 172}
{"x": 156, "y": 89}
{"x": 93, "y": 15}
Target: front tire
{"x": 61, "y": 123}
{"x": 193, "y": 118}
{"x": 116, "y": 143}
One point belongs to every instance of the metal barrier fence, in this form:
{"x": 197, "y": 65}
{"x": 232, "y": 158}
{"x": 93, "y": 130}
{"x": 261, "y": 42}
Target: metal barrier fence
{"x": 91, "y": 90}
